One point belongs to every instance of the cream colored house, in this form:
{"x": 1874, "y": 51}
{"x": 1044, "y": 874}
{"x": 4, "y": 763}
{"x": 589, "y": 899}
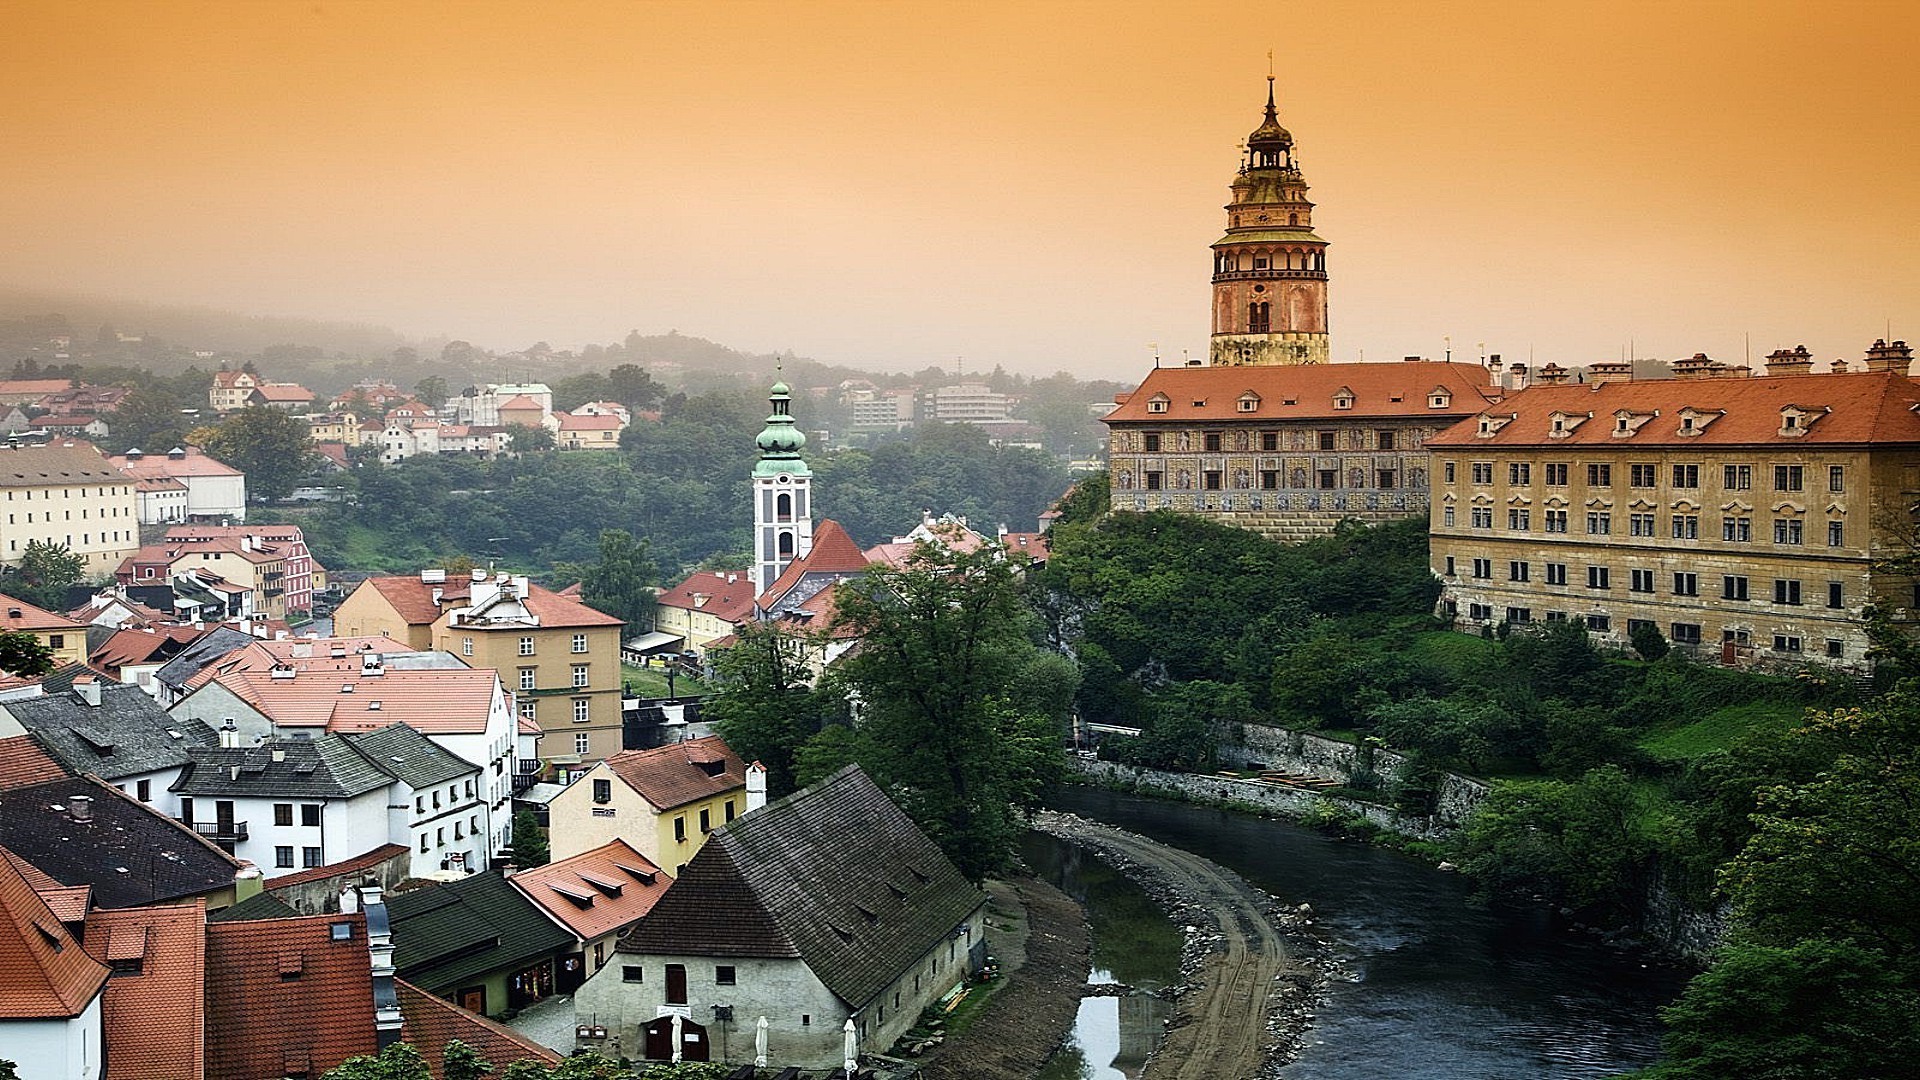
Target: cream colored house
{"x": 664, "y": 801}
{"x": 70, "y": 496}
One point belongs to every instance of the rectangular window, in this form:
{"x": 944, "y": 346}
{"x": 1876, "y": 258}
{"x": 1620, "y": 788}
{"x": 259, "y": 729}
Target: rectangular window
{"x": 1836, "y": 595}
{"x": 1599, "y": 475}
{"x": 283, "y": 856}
{"x": 1557, "y": 474}
{"x": 1483, "y": 517}
{"x": 283, "y": 813}
{"x": 1517, "y": 570}
{"x": 632, "y": 973}
{"x": 1737, "y": 477}
{"x": 1836, "y": 478}
{"x": 729, "y": 810}
{"x": 1269, "y": 441}
{"x": 582, "y": 743}
{"x": 1686, "y": 526}
{"x": 723, "y": 975}
{"x": 1634, "y": 626}
{"x": 310, "y": 857}
{"x": 603, "y": 791}
{"x": 1738, "y": 530}
{"x": 1733, "y": 587}
{"x": 1785, "y": 643}
{"x": 582, "y": 710}
{"x": 144, "y": 791}
{"x": 1556, "y": 521}
{"x": 1836, "y": 534}
{"x": 1449, "y": 470}
{"x": 1787, "y": 530}
{"x": 1556, "y": 573}
{"x": 1599, "y": 523}
{"x": 528, "y": 709}
{"x": 706, "y": 821}
{"x": 526, "y": 646}
{"x": 1789, "y": 478}
{"x": 1150, "y": 442}
{"x": 1640, "y": 581}
{"x": 1686, "y": 476}
{"x": 1483, "y": 568}
{"x": 1384, "y": 479}
{"x": 1519, "y": 520}
{"x": 1640, "y": 525}
{"x": 1519, "y": 616}
{"x": 1449, "y": 566}
{"x": 1642, "y": 476}
{"x": 1684, "y": 633}
{"x": 466, "y": 646}
{"x": 1835, "y": 649}
{"x": 1599, "y": 624}
{"x": 680, "y": 829}
{"x": 1480, "y": 612}
{"x": 1597, "y": 578}
{"x": 676, "y": 984}
{"x": 1211, "y": 440}
{"x": 1210, "y": 479}
{"x": 310, "y": 815}
{"x": 580, "y": 675}
{"x": 1269, "y": 479}
{"x": 1326, "y": 440}
{"x": 1686, "y": 584}
{"x": 1446, "y": 516}
{"x": 1519, "y": 472}
{"x": 527, "y": 677}
{"x": 1153, "y": 480}
{"x": 1329, "y": 479}
{"x": 1786, "y": 591}
{"x": 1483, "y": 472}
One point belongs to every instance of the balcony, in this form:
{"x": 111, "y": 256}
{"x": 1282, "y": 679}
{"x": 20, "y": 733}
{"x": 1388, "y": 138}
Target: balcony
{"x": 231, "y": 832}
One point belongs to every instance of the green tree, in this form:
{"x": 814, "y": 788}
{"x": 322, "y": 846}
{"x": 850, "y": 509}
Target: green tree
{"x": 399, "y": 1061}
{"x": 9, "y": 1070}
{"x": 148, "y": 419}
{"x": 1588, "y": 845}
{"x": 432, "y": 391}
{"x": 1648, "y": 641}
{"x": 763, "y": 703}
{"x": 621, "y": 583}
{"x": 630, "y": 385}
{"x": 948, "y": 710}
{"x": 272, "y": 447}
{"x": 44, "y": 574}
{"x": 463, "y": 1062}
{"x": 530, "y": 846}
{"x": 23, "y": 655}
{"x": 521, "y": 438}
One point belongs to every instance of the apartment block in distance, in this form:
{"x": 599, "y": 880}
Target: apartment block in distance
{"x": 70, "y": 496}
{"x": 1743, "y": 517}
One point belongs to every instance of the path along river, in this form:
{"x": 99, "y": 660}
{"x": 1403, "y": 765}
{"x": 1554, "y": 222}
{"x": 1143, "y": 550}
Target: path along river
{"x": 1437, "y": 989}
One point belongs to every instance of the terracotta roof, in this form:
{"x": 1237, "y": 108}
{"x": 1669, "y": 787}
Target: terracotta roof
{"x": 230, "y": 379}
{"x": 429, "y": 1024}
{"x": 1378, "y": 390}
{"x": 677, "y": 774}
{"x": 302, "y": 654}
{"x": 833, "y": 553}
{"x": 342, "y": 868}
{"x": 158, "y": 483}
{"x": 194, "y": 462}
{"x": 47, "y": 973}
{"x": 282, "y": 993}
{"x": 412, "y": 599}
{"x": 1033, "y": 545}
{"x": 576, "y": 422}
{"x": 596, "y": 892}
{"x": 22, "y": 762}
{"x": 819, "y": 613}
{"x": 518, "y": 402}
{"x": 142, "y": 646}
{"x": 283, "y": 391}
{"x": 35, "y": 387}
{"x": 729, "y": 594}
{"x": 1836, "y": 409}
{"x": 154, "y": 1013}
{"x": 834, "y": 874}
{"x": 32, "y": 618}
{"x": 69, "y": 903}
{"x": 434, "y": 701}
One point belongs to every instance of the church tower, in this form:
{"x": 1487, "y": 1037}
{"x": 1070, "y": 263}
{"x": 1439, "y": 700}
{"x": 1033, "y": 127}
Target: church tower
{"x": 1270, "y": 270}
{"x": 782, "y": 490}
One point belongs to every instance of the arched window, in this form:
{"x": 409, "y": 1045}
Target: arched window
{"x": 783, "y": 507}
{"x": 1293, "y": 219}
{"x": 786, "y": 545}
{"x": 1258, "y": 319}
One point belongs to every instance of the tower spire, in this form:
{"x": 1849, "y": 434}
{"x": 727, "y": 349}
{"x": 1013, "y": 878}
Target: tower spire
{"x": 782, "y": 492}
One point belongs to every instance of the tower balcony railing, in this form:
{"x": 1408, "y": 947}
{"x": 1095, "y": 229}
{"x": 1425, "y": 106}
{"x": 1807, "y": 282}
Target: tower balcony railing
{"x": 1269, "y": 275}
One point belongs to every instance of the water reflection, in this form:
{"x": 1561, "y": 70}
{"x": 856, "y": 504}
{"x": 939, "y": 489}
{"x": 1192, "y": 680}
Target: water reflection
{"x": 1441, "y": 990}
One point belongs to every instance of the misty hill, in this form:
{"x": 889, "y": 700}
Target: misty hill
{"x": 191, "y": 328}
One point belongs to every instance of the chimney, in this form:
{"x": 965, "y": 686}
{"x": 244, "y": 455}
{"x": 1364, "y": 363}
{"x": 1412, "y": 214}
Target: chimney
{"x": 1551, "y": 374}
{"x": 229, "y": 735}
{"x": 1610, "y": 371}
{"x": 479, "y": 574}
{"x": 520, "y": 586}
{"x": 1517, "y": 377}
{"x": 1493, "y": 373}
{"x": 386, "y": 1001}
{"x": 86, "y": 689}
{"x": 1794, "y": 361}
{"x": 1697, "y": 366}
{"x": 1897, "y": 357}
{"x": 80, "y": 807}
{"x": 756, "y": 786}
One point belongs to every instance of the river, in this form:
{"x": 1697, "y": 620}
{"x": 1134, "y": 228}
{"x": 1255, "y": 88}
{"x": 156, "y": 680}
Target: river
{"x": 1439, "y": 989}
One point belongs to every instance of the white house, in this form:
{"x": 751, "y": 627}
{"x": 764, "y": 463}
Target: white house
{"x": 51, "y": 1020}
{"x": 216, "y": 492}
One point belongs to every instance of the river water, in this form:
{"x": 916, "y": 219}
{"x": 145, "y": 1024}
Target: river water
{"x": 1440, "y": 989}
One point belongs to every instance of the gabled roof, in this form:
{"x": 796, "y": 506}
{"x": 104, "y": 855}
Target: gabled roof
{"x": 283, "y": 994}
{"x": 580, "y": 422}
{"x": 680, "y": 773}
{"x": 47, "y": 973}
{"x": 430, "y": 1023}
{"x": 834, "y": 556}
{"x": 363, "y": 861}
{"x": 340, "y": 655}
{"x": 1304, "y": 392}
{"x": 728, "y": 594}
{"x": 412, "y": 600}
{"x": 409, "y": 757}
{"x": 19, "y": 615}
{"x": 129, "y": 852}
{"x": 155, "y": 1012}
{"x": 323, "y": 768}
{"x": 834, "y": 874}
{"x": 192, "y": 462}
{"x": 436, "y": 701}
{"x": 218, "y": 642}
{"x": 1866, "y": 408}
{"x": 127, "y": 734}
{"x": 596, "y": 892}
{"x": 142, "y": 646}
{"x": 283, "y": 391}
{"x": 518, "y": 402}
{"x": 452, "y": 932}
{"x": 22, "y": 762}
{"x": 54, "y": 466}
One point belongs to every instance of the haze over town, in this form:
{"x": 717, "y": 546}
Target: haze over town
{"x": 1032, "y": 186}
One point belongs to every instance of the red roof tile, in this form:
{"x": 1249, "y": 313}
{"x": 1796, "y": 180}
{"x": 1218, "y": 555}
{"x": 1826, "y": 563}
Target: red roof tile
{"x": 1839, "y": 409}
{"x": 428, "y": 1024}
{"x": 154, "y": 1016}
{"x": 22, "y": 762}
{"x": 728, "y": 594}
{"x": 47, "y": 973}
{"x": 595, "y": 892}
{"x": 412, "y": 599}
{"x": 343, "y": 867}
{"x": 575, "y": 422}
{"x": 1378, "y": 390}
{"x": 519, "y": 403}
{"x": 20, "y": 615}
{"x": 433, "y": 701}
{"x": 670, "y": 776}
{"x": 69, "y": 903}
{"x": 282, "y": 987}
{"x": 833, "y": 552}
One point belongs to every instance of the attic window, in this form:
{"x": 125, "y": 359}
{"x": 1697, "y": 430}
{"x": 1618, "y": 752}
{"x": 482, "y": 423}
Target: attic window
{"x": 870, "y": 915}
{"x": 1157, "y": 404}
{"x": 1439, "y": 399}
{"x": 373, "y": 706}
{"x": 52, "y": 939}
{"x": 340, "y": 931}
{"x": 346, "y": 688}
{"x": 1343, "y": 399}
{"x": 1249, "y": 402}
{"x": 291, "y": 966}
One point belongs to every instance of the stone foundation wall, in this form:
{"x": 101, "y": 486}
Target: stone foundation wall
{"x": 1267, "y": 798}
{"x": 1334, "y": 759}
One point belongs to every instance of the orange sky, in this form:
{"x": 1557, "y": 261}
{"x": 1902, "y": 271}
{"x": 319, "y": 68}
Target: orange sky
{"x": 1031, "y": 184}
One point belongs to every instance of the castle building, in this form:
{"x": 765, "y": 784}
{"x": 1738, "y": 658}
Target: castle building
{"x": 1744, "y": 517}
{"x": 1268, "y": 434}
{"x": 782, "y": 493}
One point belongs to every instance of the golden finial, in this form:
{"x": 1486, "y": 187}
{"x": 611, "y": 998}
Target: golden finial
{"x": 1269, "y": 65}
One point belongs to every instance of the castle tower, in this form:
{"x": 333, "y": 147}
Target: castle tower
{"x": 1270, "y": 270}
{"x": 782, "y": 490}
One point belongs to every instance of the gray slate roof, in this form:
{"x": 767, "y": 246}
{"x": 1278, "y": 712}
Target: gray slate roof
{"x": 127, "y": 734}
{"x": 835, "y": 874}
{"x": 409, "y": 756}
{"x": 217, "y": 643}
{"x": 326, "y": 768}
{"x": 129, "y": 852}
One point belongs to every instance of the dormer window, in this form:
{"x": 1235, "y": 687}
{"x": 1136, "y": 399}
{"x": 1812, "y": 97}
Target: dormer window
{"x": 1796, "y": 419}
{"x": 1626, "y": 422}
{"x": 1562, "y": 424}
{"x": 1249, "y": 402}
{"x": 1343, "y": 398}
{"x": 1694, "y": 421}
{"x": 1439, "y": 398}
{"x": 1157, "y": 403}
{"x": 1490, "y": 424}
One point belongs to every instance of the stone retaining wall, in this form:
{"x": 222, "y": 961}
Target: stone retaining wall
{"x": 1275, "y": 799}
{"x": 1332, "y": 759}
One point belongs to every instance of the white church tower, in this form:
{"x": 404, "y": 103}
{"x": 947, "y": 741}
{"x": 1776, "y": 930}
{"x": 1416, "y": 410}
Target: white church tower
{"x": 782, "y": 494}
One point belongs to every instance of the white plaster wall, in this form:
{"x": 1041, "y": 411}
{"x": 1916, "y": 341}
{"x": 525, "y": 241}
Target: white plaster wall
{"x": 784, "y": 991}
{"x": 59, "y": 1049}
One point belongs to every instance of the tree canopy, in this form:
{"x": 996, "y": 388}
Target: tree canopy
{"x": 272, "y": 447}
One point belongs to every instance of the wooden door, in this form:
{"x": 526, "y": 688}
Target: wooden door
{"x": 676, "y": 984}
{"x": 659, "y": 1040}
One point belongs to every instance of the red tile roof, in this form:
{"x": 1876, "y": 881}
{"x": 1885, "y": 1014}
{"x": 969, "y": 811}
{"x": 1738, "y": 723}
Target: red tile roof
{"x": 833, "y": 552}
{"x": 1032, "y": 545}
{"x": 1839, "y": 410}
{"x": 354, "y": 865}
{"x": 282, "y": 989}
{"x": 412, "y": 599}
{"x": 22, "y": 762}
{"x": 283, "y": 391}
{"x": 32, "y": 618}
{"x": 728, "y": 594}
{"x": 428, "y": 1024}
{"x": 154, "y": 1017}
{"x": 670, "y": 776}
{"x": 595, "y": 892}
{"x": 302, "y": 654}
{"x": 1378, "y": 390}
{"x": 194, "y": 463}
{"x": 433, "y": 701}
{"x": 47, "y": 973}
{"x": 575, "y": 422}
{"x": 518, "y": 403}
{"x": 33, "y": 387}
{"x": 820, "y": 613}
{"x": 69, "y": 903}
